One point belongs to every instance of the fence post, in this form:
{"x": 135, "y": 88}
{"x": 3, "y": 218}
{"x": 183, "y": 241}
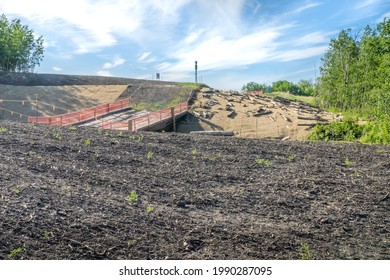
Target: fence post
{"x": 130, "y": 125}
{"x": 173, "y": 118}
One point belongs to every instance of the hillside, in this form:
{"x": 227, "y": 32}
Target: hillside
{"x": 252, "y": 115}
{"x": 74, "y": 92}
{"x": 64, "y": 194}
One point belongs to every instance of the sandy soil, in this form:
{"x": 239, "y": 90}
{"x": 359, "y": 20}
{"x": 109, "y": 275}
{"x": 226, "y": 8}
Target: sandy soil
{"x": 63, "y": 98}
{"x": 64, "y": 194}
{"x": 253, "y": 116}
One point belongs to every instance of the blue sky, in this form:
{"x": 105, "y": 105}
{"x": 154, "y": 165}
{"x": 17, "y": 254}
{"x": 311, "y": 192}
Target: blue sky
{"x": 234, "y": 41}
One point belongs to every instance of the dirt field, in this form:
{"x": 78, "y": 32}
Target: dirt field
{"x": 253, "y": 116}
{"x": 64, "y": 194}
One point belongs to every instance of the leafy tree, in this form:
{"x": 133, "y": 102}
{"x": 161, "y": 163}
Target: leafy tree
{"x": 355, "y": 72}
{"x": 252, "y": 86}
{"x": 20, "y": 51}
{"x": 306, "y": 86}
{"x": 281, "y": 86}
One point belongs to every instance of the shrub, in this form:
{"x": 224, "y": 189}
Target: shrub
{"x": 346, "y": 130}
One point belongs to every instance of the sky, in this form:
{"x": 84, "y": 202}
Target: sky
{"x": 234, "y": 41}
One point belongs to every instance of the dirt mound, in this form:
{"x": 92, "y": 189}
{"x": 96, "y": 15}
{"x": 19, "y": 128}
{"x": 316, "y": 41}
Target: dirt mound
{"x": 58, "y": 94}
{"x": 65, "y": 194}
{"x": 32, "y": 79}
{"x": 253, "y": 115}
{"x": 19, "y": 102}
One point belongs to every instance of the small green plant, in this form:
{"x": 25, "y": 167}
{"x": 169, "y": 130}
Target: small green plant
{"x": 132, "y": 242}
{"x": 31, "y": 153}
{"x": 194, "y": 152}
{"x": 133, "y": 196}
{"x": 292, "y": 157}
{"x": 356, "y": 173}
{"x": 87, "y": 188}
{"x": 58, "y": 136}
{"x": 348, "y": 162}
{"x": 149, "y": 208}
{"x": 14, "y": 252}
{"x": 149, "y": 155}
{"x": 305, "y": 252}
{"x": 263, "y": 162}
{"x": 87, "y": 142}
{"x": 212, "y": 158}
{"x": 17, "y": 191}
{"x": 3, "y": 130}
{"x": 121, "y": 134}
{"x": 73, "y": 128}
{"x": 381, "y": 151}
{"x": 46, "y": 235}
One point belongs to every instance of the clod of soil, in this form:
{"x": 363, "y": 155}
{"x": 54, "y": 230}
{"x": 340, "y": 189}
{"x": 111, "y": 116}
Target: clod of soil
{"x": 89, "y": 194}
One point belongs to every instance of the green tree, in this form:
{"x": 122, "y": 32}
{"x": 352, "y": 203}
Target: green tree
{"x": 338, "y": 71}
{"x": 281, "y": 86}
{"x": 252, "y": 86}
{"x": 355, "y": 72}
{"x": 20, "y": 51}
{"x": 306, "y": 87}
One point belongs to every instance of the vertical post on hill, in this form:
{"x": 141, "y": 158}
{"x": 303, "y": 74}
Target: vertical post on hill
{"x": 37, "y": 108}
{"x": 196, "y": 72}
{"x": 130, "y": 125}
{"x": 173, "y": 118}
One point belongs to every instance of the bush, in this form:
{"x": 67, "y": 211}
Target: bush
{"x": 377, "y": 132}
{"x": 346, "y": 130}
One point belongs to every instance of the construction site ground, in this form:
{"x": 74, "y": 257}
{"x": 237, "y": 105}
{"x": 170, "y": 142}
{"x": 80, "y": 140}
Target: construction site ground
{"x": 98, "y": 194}
{"x": 252, "y": 115}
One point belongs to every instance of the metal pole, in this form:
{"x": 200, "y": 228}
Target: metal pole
{"x": 37, "y": 108}
{"x": 196, "y": 72}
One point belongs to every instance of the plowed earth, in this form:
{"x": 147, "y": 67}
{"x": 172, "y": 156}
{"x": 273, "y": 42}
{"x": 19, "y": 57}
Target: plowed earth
{"x": 64, "y": 195}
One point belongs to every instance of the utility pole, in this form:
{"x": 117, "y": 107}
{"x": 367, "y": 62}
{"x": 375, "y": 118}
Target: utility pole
{"x": 196, "y": 72}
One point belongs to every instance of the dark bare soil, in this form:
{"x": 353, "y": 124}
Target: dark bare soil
{"x": 64, "y": 195}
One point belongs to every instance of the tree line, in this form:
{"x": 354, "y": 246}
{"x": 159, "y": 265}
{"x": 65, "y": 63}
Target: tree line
{"x": 303, "y": 87}
{"x": 355, "y": 72}
{"x": 20, "y": 50}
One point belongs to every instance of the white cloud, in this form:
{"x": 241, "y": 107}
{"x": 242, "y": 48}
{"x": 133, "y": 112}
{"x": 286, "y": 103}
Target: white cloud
{"x": 117, "y": 61}
{"x": 365, "y": 3}
{"x": 104, "y": 73}
{"x": 290, "y": 55}
{"x": 193, "y": 36}
{"x": 311, "y": 39}
{"x": 306, "y": 6}
{"x": 57, "y": 69}
{"x": 386, "y": 15}
{"x": 144, "y": 56}
{"x": 94, "y": 25}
